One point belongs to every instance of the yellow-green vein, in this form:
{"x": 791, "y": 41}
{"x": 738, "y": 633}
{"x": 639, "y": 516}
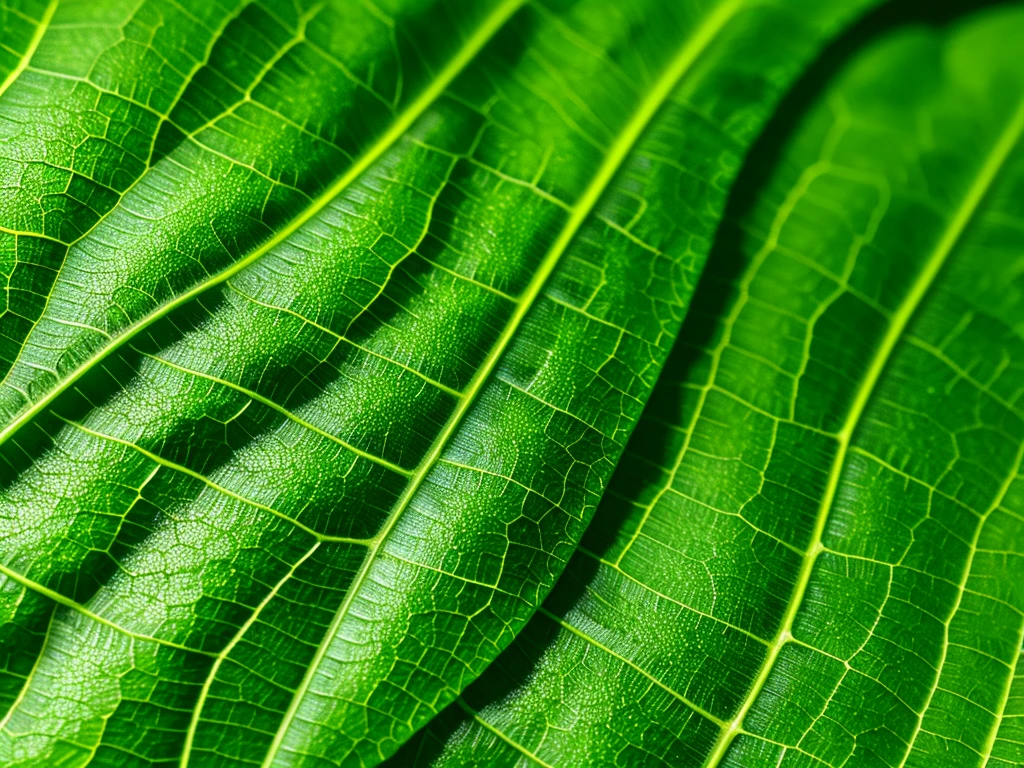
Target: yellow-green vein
{"x": 37, "y": 37}
{"x": 514, "y": 744}
{"x": 398, "y": 129}
{"x": 74, "y": 605}
{"x": 190, "y": 734}
{"x": 157, "y": 459}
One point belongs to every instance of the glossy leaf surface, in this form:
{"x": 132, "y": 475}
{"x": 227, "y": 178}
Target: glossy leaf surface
{"x": 812, "y": 553}
{"x": 325, "y": 326}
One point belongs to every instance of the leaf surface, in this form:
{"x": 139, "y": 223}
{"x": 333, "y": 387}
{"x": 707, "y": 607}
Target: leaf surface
{"x": 324, "y": 332}
{"x": 811, "y": 553}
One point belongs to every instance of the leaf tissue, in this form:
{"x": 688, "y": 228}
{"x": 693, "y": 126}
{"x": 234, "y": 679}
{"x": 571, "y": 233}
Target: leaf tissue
{"x": 511, "y": 382}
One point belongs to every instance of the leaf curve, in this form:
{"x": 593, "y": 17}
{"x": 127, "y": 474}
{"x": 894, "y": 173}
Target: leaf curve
{"x": 810, "y": 554}
{"x": 195, "y": 479}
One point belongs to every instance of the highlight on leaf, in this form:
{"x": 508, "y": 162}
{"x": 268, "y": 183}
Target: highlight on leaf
{"x": 511, "y": 382}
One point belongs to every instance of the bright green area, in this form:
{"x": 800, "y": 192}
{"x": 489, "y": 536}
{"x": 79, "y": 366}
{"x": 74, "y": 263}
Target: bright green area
{"x": 812, "y": 553}
{"x": 325, "y": 325}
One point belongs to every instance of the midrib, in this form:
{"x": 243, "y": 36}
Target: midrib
{"x": 986, "y": 176}
{"x": 33, "y": 44}
{"x": 1004, "y": 698}
{"x": 402, "y": 124}
{"x": 616, "y": 155}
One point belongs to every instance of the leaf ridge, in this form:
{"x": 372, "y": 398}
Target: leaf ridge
{"x": 633, "y": 665}
{"x": 340, "y": 337}
{"x": 662, "y": 596}
{"x": 78, "y": 607}
{"x": 287, "y": 413}
{"x": 508, "y": 740}
{"x": 160, "y": 460}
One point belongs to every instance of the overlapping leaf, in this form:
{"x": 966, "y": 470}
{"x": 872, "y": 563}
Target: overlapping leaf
{"x": 813, "y": 551}
{"x": 325, "y": 326}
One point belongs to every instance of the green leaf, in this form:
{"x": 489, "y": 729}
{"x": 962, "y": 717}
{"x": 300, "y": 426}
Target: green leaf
{"x": 325, "y": 326}
{"x": 812, "y": 553}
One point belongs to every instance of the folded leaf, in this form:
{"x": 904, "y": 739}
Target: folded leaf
{"x": 812, "y": 553}
{"x": 326, "y": 326}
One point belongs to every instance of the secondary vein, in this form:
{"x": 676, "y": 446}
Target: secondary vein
{"x": 398, "y": 129}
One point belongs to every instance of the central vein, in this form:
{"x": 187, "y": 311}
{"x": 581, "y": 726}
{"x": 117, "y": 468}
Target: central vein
{"x": 614, "y": 159}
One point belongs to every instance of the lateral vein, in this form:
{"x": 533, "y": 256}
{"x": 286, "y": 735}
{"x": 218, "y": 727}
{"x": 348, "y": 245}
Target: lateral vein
{"x": 76, "y": 606}
{"x": 161, "y": 461}
{"x": 212, "y": 674}
{"x": 395, "y": 132}
{"x": 511, "y": 742}
{"x": 291, "y": 416}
